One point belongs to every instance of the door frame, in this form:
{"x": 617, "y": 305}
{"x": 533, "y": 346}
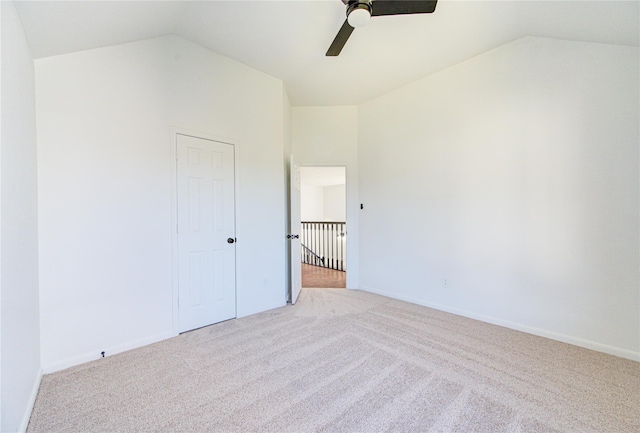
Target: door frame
{"x": 173, "y": 149}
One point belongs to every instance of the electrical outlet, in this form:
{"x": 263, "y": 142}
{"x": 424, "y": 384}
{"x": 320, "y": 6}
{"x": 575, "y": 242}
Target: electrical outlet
{"x": 445, "y": 283}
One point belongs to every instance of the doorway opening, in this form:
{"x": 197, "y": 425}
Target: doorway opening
{"x": 324, "y": 228}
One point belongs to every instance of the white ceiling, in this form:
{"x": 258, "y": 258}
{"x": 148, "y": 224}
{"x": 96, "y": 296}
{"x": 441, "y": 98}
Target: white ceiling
{"x": 288, "y": 39}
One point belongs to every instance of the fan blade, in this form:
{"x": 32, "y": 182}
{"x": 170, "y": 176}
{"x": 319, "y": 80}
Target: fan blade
{"x": 401, "y": 7}
{"x": 341, "y": 39}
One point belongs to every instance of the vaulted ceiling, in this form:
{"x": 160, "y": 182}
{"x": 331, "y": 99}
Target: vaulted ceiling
{"x": 288, "y": 39}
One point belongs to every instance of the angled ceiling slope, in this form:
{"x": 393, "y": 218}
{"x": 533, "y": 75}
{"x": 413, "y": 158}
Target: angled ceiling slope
{"x": 288, "y": 39}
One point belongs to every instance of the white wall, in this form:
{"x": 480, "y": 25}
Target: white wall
{"x": 311, "y": 202}
{"x": 334, "y": 200}
{"x": 20, "y": 333}
{"x": 328, "y": 136}
{"x": 215, "y": 94}
{"x": 323, "y": 203}
{"x": 104, "y": 119}
{"x": 514, "y": 175}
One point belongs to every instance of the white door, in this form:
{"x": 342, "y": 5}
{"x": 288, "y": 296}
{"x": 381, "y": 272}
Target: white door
{"x": 294, "y": 232}
{"x": 206, "y": 232}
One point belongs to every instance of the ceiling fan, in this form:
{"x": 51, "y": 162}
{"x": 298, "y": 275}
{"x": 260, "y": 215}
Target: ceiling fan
{"x": 360, "y": 11}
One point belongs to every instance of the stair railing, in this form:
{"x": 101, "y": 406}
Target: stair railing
{"x": 311, "y": 258}
{"x": 324, "y": 244}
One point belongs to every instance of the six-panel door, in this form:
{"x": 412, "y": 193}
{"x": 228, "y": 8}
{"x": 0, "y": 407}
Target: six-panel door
{"x": 206, "y": 229}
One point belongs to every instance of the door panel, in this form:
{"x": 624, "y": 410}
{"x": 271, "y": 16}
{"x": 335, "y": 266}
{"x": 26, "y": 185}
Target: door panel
{"x": 294, "y": 232}
{"x": 206, "y": 219}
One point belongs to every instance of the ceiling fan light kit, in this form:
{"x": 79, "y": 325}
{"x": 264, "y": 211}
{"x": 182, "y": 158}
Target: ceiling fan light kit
{"x": 360, "y": 11}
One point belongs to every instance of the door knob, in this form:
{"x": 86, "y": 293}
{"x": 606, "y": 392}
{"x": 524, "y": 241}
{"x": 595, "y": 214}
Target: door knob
{"x": 230, "y": 240}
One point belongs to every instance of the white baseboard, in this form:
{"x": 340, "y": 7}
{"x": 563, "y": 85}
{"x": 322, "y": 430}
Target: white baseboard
{"x": 92, "y": 356}
{"x": 587, "y": 344}
{"x": 32, "y": 401}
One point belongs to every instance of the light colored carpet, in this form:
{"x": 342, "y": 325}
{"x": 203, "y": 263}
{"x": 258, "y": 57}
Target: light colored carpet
{"x": 346, "y": 361}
